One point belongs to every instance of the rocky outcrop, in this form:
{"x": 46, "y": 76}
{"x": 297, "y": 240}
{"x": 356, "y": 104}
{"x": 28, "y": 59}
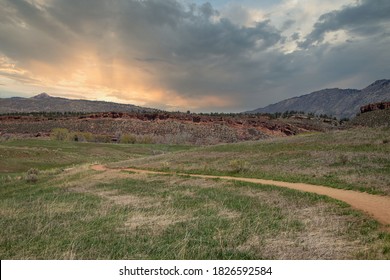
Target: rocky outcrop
{"x": 374, "y": 107}
{"x": 163, "y": 127}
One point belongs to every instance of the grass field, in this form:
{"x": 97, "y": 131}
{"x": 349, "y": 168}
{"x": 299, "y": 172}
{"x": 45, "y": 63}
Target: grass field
{"x": 20, "y": 155}
{"x": 73, "y": 212}
{"x": 355, "y": 159}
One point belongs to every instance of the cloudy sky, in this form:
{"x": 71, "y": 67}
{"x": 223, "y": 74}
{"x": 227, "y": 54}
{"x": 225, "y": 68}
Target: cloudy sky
{"x": 220, "y": 55}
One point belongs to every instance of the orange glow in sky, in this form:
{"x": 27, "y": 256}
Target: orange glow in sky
{"x": 229, "y": 56}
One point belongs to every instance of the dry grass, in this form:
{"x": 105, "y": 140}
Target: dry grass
{"x": 117, "y": 214}
{"x": 354, "y": 159}
{"x": 323, "y": 233}
{"x": 310, "y": 228}
{"x": 156, "y": 223}
{"x": 78, "y": 213}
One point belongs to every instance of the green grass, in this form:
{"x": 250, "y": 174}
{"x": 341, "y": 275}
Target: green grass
{"x": 351, "y": 159}
{"x": 72, "y": 212}
{"x": 169, "y": 217}
{"x": 21, "y": 155}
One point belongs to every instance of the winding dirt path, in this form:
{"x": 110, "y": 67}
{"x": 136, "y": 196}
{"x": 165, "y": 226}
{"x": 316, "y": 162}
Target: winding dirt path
{"x": 376, "y": 206}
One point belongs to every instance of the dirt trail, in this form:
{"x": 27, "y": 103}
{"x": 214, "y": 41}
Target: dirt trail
{"x": 376, "y": 206}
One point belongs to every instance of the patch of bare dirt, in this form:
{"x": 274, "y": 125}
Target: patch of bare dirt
{"x": 98, "y": 167}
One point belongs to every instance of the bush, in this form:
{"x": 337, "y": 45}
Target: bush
{"x": 6, "y": 137}
{"x": 32, "y": 175}
{"x": 60, "y": 134}
{"x": 128, "y": 139}
{"x": 238, "y": 166}
{"x": 166, "y": 165}
{"x": 146, "y": 139}
{"x": 99, "y": 138}
{"x": 83, "y": 137}
{"x": 33, "y": 171}
{"x": 6, "y": 179}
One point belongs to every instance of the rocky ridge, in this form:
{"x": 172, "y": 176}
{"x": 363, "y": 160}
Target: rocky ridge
{"x": 340, "y": 103}
{"x": 164, "y": 127}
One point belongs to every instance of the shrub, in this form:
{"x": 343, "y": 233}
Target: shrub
{"x": 127, "y": 139}
{"x": 61, "y": 134}
{"x": 33, "y": 171}
{"x": 146, "y": 139}
{"x": 6, "y": 137}
{"x": 32, "y": 175}
{"x": 166, "y": 165}
{"x": 83, "y": 137}
{"x": 6, "y": 179}
{"x": 238, "y": 166}
{"x": 99, "y": 138}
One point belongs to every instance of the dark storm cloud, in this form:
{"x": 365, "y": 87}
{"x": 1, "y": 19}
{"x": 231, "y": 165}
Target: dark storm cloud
{"x": 28, "y": 32}
{"x": 187, "y": 48}
{"x": 193, "y": 51}
{"x": 365, "y": 19}
{"x": 219, "y": 58}
{"x": 223, "y": 38}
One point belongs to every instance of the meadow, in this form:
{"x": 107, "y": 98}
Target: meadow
{"x": 356, "y": 159}
{"x": 73, "y": 212}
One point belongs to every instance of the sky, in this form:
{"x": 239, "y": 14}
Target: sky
{"x": 216, "y": 56}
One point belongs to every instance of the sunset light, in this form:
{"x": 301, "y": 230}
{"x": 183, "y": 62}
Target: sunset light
{"x": 179, "y": 55}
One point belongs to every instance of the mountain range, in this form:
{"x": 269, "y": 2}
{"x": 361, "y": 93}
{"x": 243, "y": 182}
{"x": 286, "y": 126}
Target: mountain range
{"x": 46, "y": 103}
{"x": 340, "y": 103}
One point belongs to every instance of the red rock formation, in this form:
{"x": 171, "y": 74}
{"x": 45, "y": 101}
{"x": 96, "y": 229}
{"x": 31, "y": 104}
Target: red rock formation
{"x": 374, "y": 107}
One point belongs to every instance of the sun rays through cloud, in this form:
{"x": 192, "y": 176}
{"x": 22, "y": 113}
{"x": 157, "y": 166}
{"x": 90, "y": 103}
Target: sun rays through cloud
{"x": 179, "y": 55}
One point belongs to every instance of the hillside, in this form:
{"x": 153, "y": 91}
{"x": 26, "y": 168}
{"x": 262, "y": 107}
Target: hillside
{"x": 336, "y": 102}
{"x": 377, "y": 118}
{"x": 163, "y": 127}
{"x": 46, "y": 103}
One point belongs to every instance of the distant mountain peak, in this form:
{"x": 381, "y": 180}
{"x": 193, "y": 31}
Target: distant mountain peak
{"x": 43, "y": 102}
{"x": 379, "y": 84}
{"x": 334, "y": 102}
{"x": 42, "y": 95}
